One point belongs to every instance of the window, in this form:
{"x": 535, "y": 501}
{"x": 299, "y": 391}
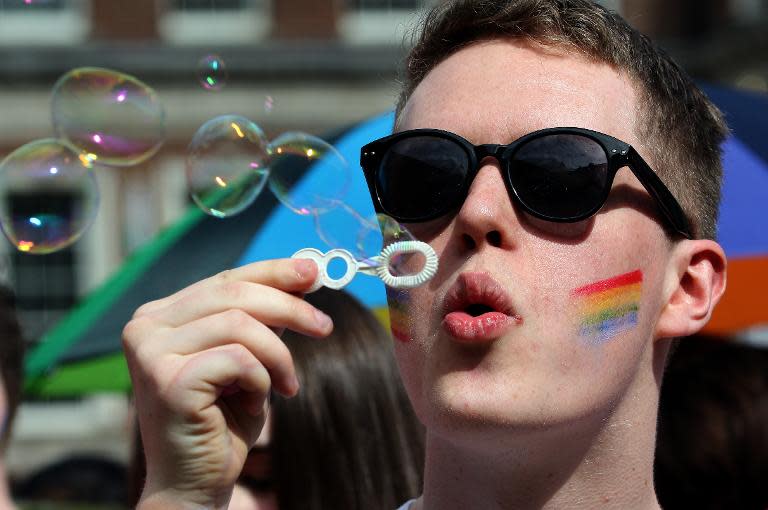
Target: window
{"x": 208, "y": 5}
{"x": 43, "y": 22}
{"x": 380, "y": 21}
{"x": 410, "y": 5}
{"x": 34, "y": 5}
{"x": 199, "y": 22}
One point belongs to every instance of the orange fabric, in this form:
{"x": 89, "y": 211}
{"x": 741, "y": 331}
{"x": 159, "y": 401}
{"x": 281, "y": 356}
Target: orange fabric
{"x": 745, "y": 302}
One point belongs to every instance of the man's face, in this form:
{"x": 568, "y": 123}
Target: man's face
{"x": 546, "y": 364}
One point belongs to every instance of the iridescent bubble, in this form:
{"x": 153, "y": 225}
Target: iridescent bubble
{"x": 227, "y": 165}
{"x": 269, "y": 104}
{"x": 326, "y": 182}
{"x": 341, "y": 226}
{"x": 48, "y": 196}
{"x": 211, "y": 72}
{"x": 344, "y": 227}
{"x": 113, "y": 117}
{"x": 390, "y": 231}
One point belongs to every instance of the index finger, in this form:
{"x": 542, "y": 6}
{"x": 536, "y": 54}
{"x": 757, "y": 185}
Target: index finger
{"x": 289, "y": 275}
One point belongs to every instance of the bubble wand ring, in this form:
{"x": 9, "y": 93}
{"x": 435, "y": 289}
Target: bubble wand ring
{"x": 379, "y": 266}
{"x": 408, "y": 281}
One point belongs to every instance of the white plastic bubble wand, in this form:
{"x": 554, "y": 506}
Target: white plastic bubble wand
{"x": 379, "y": 265}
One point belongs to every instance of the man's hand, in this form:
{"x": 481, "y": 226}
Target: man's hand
{"x": 203, "y": 362}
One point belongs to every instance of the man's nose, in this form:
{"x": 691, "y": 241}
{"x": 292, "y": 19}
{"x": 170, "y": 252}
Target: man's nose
{"x": 487, "y": 215}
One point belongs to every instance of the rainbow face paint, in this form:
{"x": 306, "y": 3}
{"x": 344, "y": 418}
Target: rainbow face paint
{"x": 399, "y": 303}
{"x": 610, "y": 306}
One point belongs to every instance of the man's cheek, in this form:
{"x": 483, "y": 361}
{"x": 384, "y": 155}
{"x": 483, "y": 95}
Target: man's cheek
{"x": 607, "y": 308}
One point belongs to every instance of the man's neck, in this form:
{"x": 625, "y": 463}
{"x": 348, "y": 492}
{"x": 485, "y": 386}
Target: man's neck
{"x": 606, "y": 464}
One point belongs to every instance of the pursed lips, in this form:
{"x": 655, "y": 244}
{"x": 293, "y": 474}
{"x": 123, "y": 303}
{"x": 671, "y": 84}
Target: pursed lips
{"x": 477, "y": 309}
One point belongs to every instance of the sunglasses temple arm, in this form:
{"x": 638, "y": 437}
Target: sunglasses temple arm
{"x": 668, "y": 204}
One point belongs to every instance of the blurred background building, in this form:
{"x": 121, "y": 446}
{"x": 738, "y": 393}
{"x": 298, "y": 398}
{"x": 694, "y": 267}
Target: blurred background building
{"x": 310, "y": 65}
{"x": 321, "y": 64}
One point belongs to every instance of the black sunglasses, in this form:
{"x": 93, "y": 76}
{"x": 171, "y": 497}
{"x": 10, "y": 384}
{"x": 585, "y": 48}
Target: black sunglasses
{"x": 561, "y": 174}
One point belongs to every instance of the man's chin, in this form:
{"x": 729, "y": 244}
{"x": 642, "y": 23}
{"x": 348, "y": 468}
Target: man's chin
{"x": 455, "y": 406}
{"x": 506, "y": 415}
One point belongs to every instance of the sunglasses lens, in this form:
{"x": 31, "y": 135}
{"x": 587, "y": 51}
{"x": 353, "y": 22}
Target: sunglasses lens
{"x": 560, "y": 176}
{"x": 421, "y": 177}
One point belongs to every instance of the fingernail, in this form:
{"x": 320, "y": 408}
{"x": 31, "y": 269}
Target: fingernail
{"x": 323, "y": 320}
{"x": 304, "y": 268}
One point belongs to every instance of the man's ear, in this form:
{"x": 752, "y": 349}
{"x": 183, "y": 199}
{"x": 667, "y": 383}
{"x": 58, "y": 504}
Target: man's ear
{"x": 695, "y": 283}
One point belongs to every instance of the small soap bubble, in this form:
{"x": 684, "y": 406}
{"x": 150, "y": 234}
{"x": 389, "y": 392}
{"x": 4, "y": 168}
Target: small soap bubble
{"x": 344, "y": 227}
{"x": 392, "y": 231}
{"x": 112, "y": 117}
{"x": 48, "y": 196}
{"x": 341, "y": 226}
{"x": 269, "y": 104}
{"x": 327, "y": 182}
{"x": 211, "y": 72}
{"x": 227, "y": 165}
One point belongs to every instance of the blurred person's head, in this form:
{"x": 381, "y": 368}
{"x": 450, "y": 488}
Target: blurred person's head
{"x": 349, "y": 439}
{"x": 712, "y": 448}
{"x": 77, "y": 479}
{"x": 11, "y": 363}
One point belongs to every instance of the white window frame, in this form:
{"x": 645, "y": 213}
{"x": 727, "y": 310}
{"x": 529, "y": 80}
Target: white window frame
{"x": 69, "y": 26}
{"x": 376, "y": 26}
{"x": 250, "y": 24}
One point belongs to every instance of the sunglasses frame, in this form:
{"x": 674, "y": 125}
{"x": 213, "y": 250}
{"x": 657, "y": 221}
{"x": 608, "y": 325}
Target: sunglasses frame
{"x": 618, "y": 154}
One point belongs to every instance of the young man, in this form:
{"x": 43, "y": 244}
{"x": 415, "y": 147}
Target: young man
{"x": 534, "y": 357}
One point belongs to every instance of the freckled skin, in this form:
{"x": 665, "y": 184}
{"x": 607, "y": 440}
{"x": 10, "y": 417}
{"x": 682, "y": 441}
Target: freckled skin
{"x": 539, "y": 263}
{"x": 538, "y": 387}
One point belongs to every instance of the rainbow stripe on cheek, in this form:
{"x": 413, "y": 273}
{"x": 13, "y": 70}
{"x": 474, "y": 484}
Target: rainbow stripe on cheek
{"x": 399, "y": 303}
{"x": 610, "y": 306}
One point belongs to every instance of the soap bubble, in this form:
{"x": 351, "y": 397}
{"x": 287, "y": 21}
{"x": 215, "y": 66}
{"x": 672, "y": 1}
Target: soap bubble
{"x": 211, "y": 72}
{"x": 389, "y": 232}
{"x": 269, "y": 104}
{"x": 328, "y": 182}
{"x": 365, "y": 237}
{"x": 341, "y": 226}
{"x": 227, "y": 165}
{"x": 48, "y": 196}
{"x": 111, "y": 116}
{"x": 407, "y": 263}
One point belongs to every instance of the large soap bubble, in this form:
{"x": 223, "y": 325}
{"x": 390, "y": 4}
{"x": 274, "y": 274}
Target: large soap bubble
{"x": 227, "y": 165}
{"x": 328, "y": 183}
{"x": 111, "y": 116}
{"x": 48, "y": 196}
